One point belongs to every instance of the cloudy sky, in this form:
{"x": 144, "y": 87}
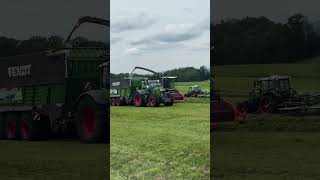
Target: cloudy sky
{"x": 159, "y": 35}
{"x": 22, "y": 19}
{"x": 277, "y": 10}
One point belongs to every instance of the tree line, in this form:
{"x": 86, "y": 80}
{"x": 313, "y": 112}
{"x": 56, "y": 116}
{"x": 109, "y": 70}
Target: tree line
{"x": 184, "y": 74}
{"x": 12, "y": 47}
{"x": 259, "y": 40}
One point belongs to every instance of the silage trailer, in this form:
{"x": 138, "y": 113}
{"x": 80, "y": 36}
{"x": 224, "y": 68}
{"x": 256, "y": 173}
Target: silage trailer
{"x": 56, "y": 92}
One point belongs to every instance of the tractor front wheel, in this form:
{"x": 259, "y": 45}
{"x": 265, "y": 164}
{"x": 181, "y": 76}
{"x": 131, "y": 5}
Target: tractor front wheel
{"x": 139, "y": 100}
{"x": 153, "y": 101}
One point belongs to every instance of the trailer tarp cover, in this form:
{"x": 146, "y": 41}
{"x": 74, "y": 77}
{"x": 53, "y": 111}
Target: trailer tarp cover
{"x": 32, "y": 69}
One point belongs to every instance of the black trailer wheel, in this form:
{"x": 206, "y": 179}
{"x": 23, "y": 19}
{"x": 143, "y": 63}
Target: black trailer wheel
{"x": 34, "y": 127}
{"x": 139, "y": 100}
{"x": 170, "y": 103}
{"x": 118, "y": 102}
{"x": 153, "y": 101}
{"x": 11, "y": 126}
{"x": 2, "y": 122}
{"x": 123, "y": 102}
{"x": 91, "y": 120}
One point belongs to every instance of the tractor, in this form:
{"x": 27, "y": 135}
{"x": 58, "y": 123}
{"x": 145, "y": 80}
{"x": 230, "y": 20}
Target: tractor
{"x": 139, "y": 91}
{"x": 274, "y": 94}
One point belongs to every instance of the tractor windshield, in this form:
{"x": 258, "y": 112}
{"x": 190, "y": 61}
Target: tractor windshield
{"x": 283, "y": 84}
{"x": 263, "y": 85}
{"x": 154, "y": 83}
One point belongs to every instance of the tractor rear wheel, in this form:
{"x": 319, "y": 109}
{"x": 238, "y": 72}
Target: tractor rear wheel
{"x": 267, "y": 105}
{"x": 139, "y": 100}
{"x": 153, "y": 101}
{"x": 91, "y": 120}
{"x": 11, "y": 126}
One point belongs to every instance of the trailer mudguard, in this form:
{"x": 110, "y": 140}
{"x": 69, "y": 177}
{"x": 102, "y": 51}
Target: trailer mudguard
{"x": 98, "y": 96}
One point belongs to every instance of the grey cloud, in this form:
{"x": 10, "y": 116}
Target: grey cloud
{"x": 174, "y": 34}
{"x": 115, "y": 40}
{"x": 126, "y": 23}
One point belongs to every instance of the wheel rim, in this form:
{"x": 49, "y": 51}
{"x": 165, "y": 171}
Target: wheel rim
{"x": 25, "y": 130}
{"x": 266, "y": 106}
{"x": 152, "y": 101}
{"x": 137, "y": 100}
{"x": 12, "y": 127}
{"x": 88, "y": 121}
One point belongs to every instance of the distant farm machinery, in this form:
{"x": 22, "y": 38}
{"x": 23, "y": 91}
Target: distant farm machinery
{"x": 275, "y": 95}
{"x": 196, "y": 91}
{"x": 139, "y": 91}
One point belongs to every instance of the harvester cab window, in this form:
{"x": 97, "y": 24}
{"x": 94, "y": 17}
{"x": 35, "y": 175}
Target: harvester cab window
{"x": 266, "y": 85}
{"x": 284, "y": 84}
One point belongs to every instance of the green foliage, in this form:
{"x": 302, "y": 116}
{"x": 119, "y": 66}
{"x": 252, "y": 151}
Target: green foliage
{"x": 186, "y": 74}
{"x": 11, "y": 47}
{"x": 258, "y": 40}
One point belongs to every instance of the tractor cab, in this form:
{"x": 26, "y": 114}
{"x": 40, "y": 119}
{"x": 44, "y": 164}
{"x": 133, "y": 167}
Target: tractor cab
{"x": 276, "y": 85}
{"x": 153, "y": 83}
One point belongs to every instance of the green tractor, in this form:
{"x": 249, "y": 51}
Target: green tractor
{"x": 139, "y": 91}
{"x": 274, "y": 94}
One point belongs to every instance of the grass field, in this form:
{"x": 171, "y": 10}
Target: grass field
{"x": 267, "y": 146}
{"x": 52, "y": 160}
{"x": 160, "y": 143}
{"x": 266, "y": 155}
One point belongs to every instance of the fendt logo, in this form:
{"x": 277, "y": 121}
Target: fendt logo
{"x": 19, "y": 71}
{"x": 116, "y": 84}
